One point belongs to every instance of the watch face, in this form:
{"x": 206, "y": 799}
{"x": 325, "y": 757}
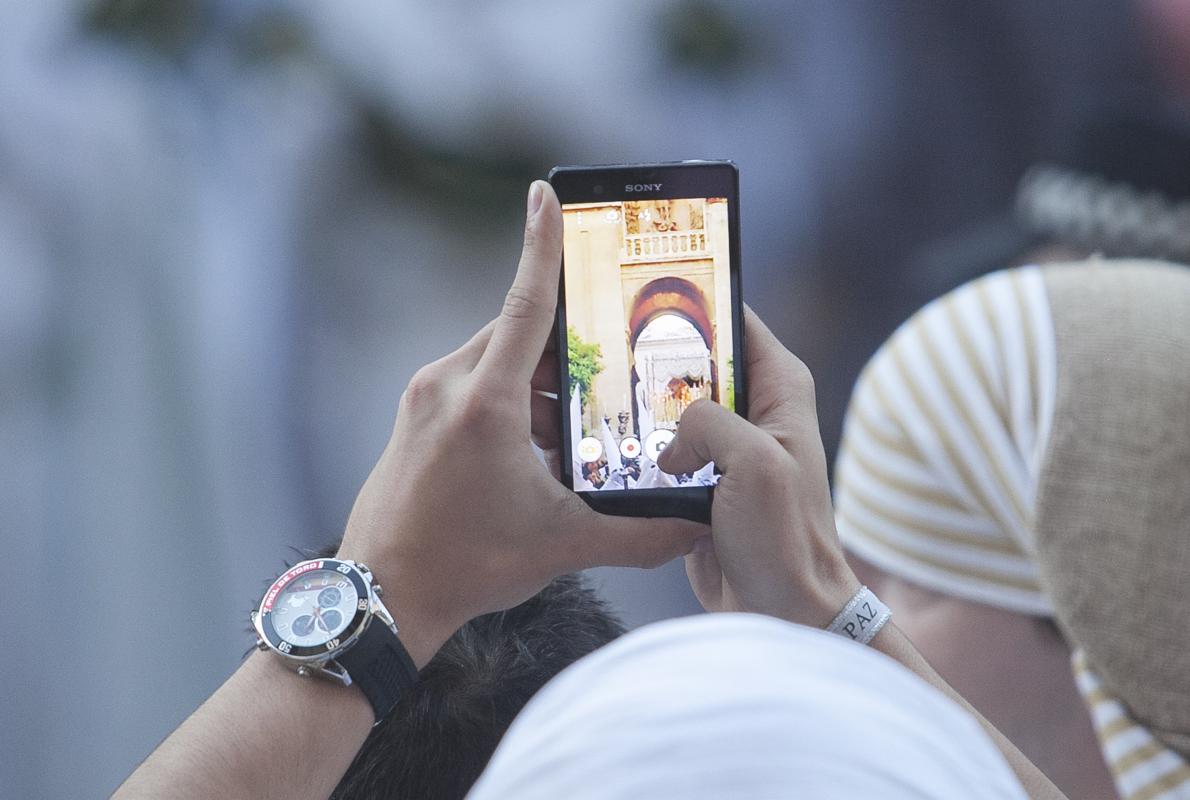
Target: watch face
{"x": 313, "y": 608}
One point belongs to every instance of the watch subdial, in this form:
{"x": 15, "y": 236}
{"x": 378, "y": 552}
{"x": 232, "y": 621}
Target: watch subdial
{"x": 329, "y": 598}
{"x": 303, "y": 625}
{"x": 330, "y": 620}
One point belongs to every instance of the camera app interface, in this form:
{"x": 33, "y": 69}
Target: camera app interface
{"x": 648, "y": 303}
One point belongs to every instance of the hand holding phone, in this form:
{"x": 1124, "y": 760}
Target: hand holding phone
{"x": 776, "y": 550}
{"x": 458, "y": 518}
{"x": 648, "y": 323}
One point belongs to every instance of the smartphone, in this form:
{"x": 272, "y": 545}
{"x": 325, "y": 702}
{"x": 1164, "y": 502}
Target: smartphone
{"x": 649, "y": 321}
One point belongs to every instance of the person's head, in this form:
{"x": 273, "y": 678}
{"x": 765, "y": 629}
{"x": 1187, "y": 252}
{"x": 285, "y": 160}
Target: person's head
{"x": 743, "y": 706}
{"x": 1017, "y": 455}
{"x": 438, "y": 739}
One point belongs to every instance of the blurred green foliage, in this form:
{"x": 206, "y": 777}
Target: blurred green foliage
{"x": 698, "y": 35}
{"x": 704, "y": 37}
{"x": 173, "y": 28}
{"x": 168, "y": 27}
{"x": 399, "y": 158}
{"x": 469, "y": 183}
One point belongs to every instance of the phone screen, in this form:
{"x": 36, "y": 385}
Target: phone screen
{"x": 648, "y": 309}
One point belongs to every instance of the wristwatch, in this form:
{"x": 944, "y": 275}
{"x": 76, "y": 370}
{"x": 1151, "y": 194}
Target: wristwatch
{"x": 325, "y": 618}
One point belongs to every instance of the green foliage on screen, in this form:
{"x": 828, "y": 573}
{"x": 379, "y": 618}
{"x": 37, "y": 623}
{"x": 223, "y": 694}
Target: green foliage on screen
{"x": 585, "y": 363}
{"x": 729, "y": 388}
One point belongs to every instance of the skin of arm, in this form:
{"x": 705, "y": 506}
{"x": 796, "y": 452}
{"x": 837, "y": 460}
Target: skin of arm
{"x": 265, "y": 733}
{"x": 447, "y": 545}
{"x": 893, "y": 643}
{"x": 773, "y": 547}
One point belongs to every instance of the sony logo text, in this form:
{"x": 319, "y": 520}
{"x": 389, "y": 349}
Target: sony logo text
{"x": 642, "y": 187}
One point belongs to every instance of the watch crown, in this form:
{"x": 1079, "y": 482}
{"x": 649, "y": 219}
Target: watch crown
{"x": 304, "y": 671}
{"x": 260, "y": 645}
{"x": 378, "y": 589}
{"x": 252, "y": 616}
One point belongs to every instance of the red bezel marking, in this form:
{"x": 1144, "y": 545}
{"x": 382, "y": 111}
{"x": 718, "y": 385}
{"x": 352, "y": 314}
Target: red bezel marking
{"x": 284, "y": 581}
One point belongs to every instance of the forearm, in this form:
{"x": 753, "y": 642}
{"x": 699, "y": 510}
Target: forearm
{"x": 446, "y": 547}
{"x": 265, "y": 733}
{"x": 892, "y": 642}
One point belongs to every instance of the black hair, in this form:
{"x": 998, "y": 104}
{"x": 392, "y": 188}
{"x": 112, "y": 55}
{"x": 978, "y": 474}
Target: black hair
{"x": 440, "y": 736}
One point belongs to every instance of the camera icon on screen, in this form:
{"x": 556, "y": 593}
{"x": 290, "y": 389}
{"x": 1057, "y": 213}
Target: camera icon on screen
{"x": 589, "y": 449}
{"x": 656, "y": 441}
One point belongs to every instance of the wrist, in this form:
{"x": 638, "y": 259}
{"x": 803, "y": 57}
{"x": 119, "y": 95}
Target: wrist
{"x": 826, "y": 587}
{"x": 420, "y": 636}
{"x": 422, "y": 628}
{"x": 833, "y": 593}
{"x": 324, "y": 618}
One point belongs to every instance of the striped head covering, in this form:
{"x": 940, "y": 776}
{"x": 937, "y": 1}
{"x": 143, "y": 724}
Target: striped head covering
{"x": 1024, "y": 441}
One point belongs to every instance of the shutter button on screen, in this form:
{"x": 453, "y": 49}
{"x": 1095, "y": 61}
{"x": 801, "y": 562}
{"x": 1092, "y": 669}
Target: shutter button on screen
{"x": 656, "y": 441}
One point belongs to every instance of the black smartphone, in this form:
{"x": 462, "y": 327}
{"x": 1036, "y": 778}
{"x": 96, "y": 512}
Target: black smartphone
{"x": 649, "y": 320}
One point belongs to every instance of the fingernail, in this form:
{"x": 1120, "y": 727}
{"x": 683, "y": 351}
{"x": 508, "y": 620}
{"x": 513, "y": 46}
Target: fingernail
{"x": 534, "y": 198}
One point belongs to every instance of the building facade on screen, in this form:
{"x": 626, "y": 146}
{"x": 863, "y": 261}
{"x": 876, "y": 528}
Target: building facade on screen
{"x": 649, "y": 283}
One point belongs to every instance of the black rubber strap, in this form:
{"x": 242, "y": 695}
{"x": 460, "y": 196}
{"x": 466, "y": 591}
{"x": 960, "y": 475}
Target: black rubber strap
{"x": 379, "y": 664}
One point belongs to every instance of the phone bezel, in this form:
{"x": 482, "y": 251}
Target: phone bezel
{"x": 681, "y": 179}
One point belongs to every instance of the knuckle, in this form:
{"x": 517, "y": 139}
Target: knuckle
{"x": 801, "y": 379}
{"x": 773, "y": 464}
{"x": 543, "y": 239}
{"x": 532, "y": 238}
{"x": 475, "y": 410}
{"x": 521, "y": 303}
{"x": 423, "y": 388}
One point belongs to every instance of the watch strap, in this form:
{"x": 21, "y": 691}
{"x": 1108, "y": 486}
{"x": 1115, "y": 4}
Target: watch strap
{"x": 380, "y": 665}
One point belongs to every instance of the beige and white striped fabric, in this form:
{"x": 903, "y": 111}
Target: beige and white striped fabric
{"x": 1142, "y": 766}
{"x": 971, "y": 373}
{"x": 949, "y": 476}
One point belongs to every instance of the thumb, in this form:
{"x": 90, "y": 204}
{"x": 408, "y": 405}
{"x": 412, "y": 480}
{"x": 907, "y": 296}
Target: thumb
{"x": 706, "y": 432}
{"x": 634, "y": 542}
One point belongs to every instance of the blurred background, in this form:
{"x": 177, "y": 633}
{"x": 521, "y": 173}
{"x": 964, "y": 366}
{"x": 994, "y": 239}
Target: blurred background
{"x": 230, "y": 230}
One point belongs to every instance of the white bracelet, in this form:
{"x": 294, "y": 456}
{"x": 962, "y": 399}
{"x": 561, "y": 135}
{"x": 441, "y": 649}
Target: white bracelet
{"x": 862, "y": 617}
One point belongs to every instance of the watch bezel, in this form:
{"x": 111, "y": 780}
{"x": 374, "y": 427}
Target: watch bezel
{"x": 328, "y": 650}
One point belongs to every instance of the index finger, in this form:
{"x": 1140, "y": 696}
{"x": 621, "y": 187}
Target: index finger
{"x": 525, "y": 323}
{"x": 762, "y": 345}
{"x": 781, "y": 398}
